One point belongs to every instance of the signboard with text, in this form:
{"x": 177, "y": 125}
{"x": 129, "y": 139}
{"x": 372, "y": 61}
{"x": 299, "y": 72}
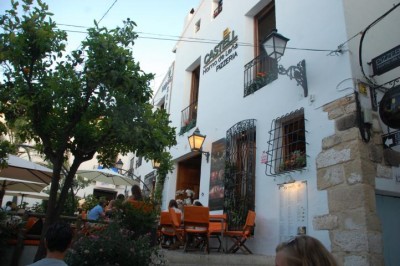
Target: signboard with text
{"x": 386, "y": 61}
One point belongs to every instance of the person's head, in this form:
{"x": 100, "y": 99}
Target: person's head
{"x": 197, "y": 203}
{"x": 303, "y": 251}
{"x": 172, "y": 204}
{"x": 120, "y": 197}
{"x": 9, "y": 204}
{"x": 136, "y": 192}
{"x": 102, "y": 202}
{"x": 58, "y": 237}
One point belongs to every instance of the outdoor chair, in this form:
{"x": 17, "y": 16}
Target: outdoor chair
{"x": 166, "y": 231}
{"x": 177, "y": 229}
{"x": 196, "y": 223}
{"x": 240, "y": 237}
{"x": 217, "y": 228}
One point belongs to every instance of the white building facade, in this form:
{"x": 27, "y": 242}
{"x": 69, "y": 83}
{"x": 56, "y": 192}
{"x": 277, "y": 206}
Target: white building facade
{"x": 305, "y": 153}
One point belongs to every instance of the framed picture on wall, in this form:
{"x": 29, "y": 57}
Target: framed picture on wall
{"x": 217, "y": 173}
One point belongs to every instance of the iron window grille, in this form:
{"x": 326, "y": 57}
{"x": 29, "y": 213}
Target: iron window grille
{"x": 287, "y": 144}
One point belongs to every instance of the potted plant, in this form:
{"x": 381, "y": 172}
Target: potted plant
{"x": 295, "y": 160}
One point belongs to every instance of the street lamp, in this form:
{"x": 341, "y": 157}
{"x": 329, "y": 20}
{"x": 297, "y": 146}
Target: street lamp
{"x": 275, "y": 45}
{"x": 119, "y": 165}
{"x": 196, "y": 141}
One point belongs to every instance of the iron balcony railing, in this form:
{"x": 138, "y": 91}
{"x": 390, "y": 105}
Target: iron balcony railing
{"x": 259, "y": 72}
{"x": 189, "y": 117}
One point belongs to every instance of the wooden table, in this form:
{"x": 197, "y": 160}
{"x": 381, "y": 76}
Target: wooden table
{"x": 217, "y": 228}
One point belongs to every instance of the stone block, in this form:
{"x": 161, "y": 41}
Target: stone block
{"x": 330, "y": 176}
{"x": 340, "y": 137}
{"x": 350, "y": 108}
{"x": 359, "y": 171}
{"x": 375, "y": 242}
{"x": 332, "y": 157}
{"x": 325, "y": 222}
{"x": 342, "y": 198}
{"x": 340, "y": 102}
{"x": 357, "y": 260}
{"x": 346, "y": 122}
{"x": 376, "y": 153}
{"x": 391, "y": 157}
{"x": 349, "y": 241}
{"x": 335, "y": 113}
{"x": 383, "y": 171}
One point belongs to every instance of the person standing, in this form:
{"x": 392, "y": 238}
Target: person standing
{"x": 57, "y": 240}
{"x": 97, "y": 211}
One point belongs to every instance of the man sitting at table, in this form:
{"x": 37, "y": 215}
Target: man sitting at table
{"x": 98, "y": 211}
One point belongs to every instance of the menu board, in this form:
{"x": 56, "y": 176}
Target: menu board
{"x": 293, "y": 213}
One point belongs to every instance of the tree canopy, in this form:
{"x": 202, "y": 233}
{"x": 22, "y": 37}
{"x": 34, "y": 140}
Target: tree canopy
{"x": 94, "y": 100}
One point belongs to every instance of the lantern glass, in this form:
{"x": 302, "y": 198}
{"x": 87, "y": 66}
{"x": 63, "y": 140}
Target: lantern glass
{"x": 275, "y": 44}
{"x": 196, "y": 140}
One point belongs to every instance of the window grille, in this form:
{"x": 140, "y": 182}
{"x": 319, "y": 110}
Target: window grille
{"x": 139, "y": 161}
{"x": 239, "y": 181}
{"x": 287, "y": 144}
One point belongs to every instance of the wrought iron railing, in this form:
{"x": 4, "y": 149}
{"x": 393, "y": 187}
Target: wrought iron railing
{"x": 189, "y": 117}
{"x": 259, "y": 72}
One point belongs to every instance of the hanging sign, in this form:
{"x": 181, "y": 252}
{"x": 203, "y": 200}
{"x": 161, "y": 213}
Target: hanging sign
{"x": 386, "y": 61}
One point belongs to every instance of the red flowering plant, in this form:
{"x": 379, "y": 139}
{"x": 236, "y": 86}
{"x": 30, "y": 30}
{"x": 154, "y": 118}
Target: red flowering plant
{"x": 295, "y": 160}
{"x": 259, "y": 81}
{"x": 112, "y": 245}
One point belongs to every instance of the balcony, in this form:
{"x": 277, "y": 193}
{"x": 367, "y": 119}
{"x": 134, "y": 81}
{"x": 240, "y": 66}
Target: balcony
{"x": 189, "y": 117}
{"x": 259, "y": 72}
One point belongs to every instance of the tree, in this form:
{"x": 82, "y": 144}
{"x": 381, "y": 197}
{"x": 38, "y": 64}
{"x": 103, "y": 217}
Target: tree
{"x": 96, "y": 99}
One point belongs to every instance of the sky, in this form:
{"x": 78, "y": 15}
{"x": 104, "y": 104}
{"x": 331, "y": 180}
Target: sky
{"x": 157, "y": 20}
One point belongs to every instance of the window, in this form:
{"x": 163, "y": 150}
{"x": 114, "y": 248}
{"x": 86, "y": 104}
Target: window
{"x": 262, "y": 69}
{"x": 197, "y": 26}
{"x": 189, "y": 114}
{"x": 139, "y": 161}
{"x": 287, "y": 144}
{"x": 217, "y": 7}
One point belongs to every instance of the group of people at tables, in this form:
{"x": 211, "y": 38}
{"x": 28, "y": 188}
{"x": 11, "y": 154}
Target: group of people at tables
{"x": 103, "y": 211}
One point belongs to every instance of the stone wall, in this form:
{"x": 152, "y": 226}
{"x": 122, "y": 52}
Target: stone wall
{"x": 346, "y": 169}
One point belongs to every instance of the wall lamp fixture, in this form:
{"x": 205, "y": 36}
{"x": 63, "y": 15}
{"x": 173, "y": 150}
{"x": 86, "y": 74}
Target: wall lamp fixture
{"x": 196, "y": 141}
{"x": 155, "y": 164}
{"x": 275, "y": 45}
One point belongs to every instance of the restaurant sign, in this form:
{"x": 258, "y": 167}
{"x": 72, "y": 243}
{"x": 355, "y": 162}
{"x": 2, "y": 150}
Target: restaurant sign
{"x": 386, "y": 61}
{"x": 223, "y": 52}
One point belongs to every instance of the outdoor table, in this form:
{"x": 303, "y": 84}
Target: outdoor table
{"x": 217, "y": 229}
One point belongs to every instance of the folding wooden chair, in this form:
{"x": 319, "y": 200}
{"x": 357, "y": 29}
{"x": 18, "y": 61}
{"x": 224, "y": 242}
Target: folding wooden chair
{"x": 177, "y": 229}
{"x": 196, "y": 223}
{"x": 240, "y": 237}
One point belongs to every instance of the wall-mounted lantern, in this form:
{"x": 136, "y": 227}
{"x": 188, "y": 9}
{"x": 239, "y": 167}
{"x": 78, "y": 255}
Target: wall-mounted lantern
{"x": 196, "y": 141}
{"x": 155, "y": 163}
{"x": 275, "y": 45}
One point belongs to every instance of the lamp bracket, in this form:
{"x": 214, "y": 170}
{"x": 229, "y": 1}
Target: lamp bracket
{"x": 298, "y": 73}
{"x": 207, "y": 154}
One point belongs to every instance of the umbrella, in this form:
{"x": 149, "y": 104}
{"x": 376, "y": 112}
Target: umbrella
{"x": 33, "y": 195}
{"x": 107, "y": 176}
{"x": 26, "y": 170}
{"x": 19, "y": 185}
{"x": 23, "y": 195}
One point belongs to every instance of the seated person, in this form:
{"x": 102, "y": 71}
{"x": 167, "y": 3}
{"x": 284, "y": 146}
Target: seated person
{"x": 57, "y": 241}
{"x": 97, "y": 211}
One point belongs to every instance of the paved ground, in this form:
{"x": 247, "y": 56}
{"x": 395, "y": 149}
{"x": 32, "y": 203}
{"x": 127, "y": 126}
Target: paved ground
{"x": 181, "y": 258}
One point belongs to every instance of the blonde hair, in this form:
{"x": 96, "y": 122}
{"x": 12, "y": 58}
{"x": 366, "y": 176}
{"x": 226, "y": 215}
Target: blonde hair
{"x": 306, "y": 251}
